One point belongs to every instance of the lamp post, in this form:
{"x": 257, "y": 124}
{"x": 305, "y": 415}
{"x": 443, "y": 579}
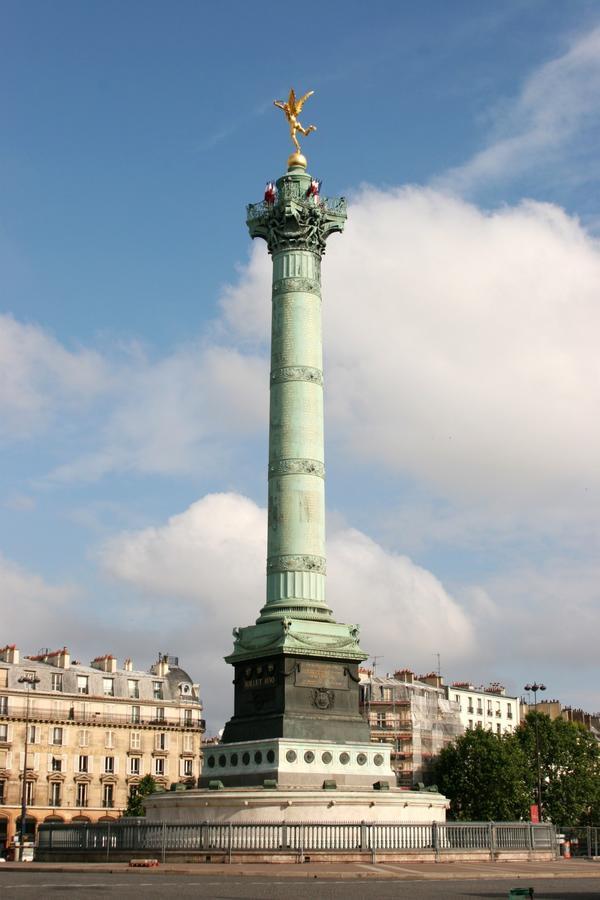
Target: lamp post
{"x": 535, "y": 687}
{"x": 30, "y": 681}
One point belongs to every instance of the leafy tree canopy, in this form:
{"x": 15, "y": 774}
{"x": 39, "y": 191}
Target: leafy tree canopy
{"x": 135, "y": 802}
{"x": 484, "y": 775}
{"x": 570, "y": 769}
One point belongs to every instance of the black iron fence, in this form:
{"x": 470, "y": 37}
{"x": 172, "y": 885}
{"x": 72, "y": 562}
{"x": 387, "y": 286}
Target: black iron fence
{"x": 137, "y": 836}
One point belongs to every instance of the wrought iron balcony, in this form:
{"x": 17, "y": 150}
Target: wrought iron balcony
{"x": 335, "y": 205}
{"x": 88, "y": 717}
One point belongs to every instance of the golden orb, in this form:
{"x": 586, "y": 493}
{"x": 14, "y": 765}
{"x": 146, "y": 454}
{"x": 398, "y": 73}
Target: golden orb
{"x": 296, "y": 161}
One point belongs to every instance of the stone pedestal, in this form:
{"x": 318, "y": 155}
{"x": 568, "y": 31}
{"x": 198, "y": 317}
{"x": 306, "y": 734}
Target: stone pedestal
{"x": 252, "y": 805}
{"x": 306, "y": 764}
{"x": 296, "y": 697}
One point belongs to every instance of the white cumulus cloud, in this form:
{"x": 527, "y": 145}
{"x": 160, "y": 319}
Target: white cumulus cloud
{"x": 460, "y": 344}
{"x": 556, "y": 102}
{"x": 208, "y": 564}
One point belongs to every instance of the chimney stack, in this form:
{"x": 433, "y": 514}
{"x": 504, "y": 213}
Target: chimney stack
{"x": 10, "y": 654}
{"x": 106, "y": 663}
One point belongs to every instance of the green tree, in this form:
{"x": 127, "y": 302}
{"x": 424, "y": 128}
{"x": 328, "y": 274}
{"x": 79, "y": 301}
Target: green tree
{"x": 484, "y": 775}
{"x": 135, "y": 802}
{"x": 570, "y": 769}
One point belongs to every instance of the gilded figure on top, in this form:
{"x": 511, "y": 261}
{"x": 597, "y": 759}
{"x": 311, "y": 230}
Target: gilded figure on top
{"x": 292, "y": 109}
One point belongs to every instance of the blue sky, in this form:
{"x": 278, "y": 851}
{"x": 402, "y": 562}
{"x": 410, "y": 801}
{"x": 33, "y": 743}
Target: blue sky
{"x": 460, "y": 308}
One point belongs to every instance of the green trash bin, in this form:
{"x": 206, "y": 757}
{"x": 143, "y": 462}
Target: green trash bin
{"x": 520, "y": 892}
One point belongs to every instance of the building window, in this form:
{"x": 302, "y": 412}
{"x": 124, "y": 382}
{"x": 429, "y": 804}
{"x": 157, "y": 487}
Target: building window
{"x": 57, "y": 736}
{"x": 381, "y": 720}
{"x": 159, "y": 766}
{"x": 133, "y": 688}
{"x": 509, "y": 712}
{"x": 159, "y": 714}
{"x": 32, "y": 684}
{"x": 489, "y": 707}
{"x": 3, "y": 733}
{"x": 135, "y": 740}
{"x": 34, "y": 734}
{"x": 188, "y": 743}
{"x": 109, "y": 765}
{"x": 108, "y": 687}
{"x": 479, "y": 723}
{"x": 82, "y": 684}
{"x": 29, "y": 793}
{"x": 109, "y": 740}
{"x": 470, "y": 723}
{"x": 82, "y": 794}
{"x": 498, "y": 728}
{"x": 84, "y": 738}
{"x": 57, "y": 681}
{"x": 188, "y": 767}
{"x": 3, "y": 706}
{"x": 2, "y": 791}
{"x": 135, "y": 713}
{"x": 161, "y": 741}
{"x": 188, "y": 717}
{"x": 157, "y": 690}
{"x": 83, "y": 764}
{"x": 57, "y": 764}
{"x": 135, "y": 763}
{"x": 55, "y": 793}
{"x": 108, "y": 796}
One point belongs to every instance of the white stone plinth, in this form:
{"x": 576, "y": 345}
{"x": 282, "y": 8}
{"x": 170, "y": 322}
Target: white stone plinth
{"x": 248, "y": 805}
{"x": 294, "y": 763}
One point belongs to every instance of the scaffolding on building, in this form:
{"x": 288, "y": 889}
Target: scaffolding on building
{"x": 414, "y": 715}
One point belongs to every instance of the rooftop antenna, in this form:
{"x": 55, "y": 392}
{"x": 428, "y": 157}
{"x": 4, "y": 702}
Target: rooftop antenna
{"x": 374, "y": 660}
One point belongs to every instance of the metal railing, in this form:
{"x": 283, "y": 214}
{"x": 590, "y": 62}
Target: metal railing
{"x": 335, "y": 205}
{"x": 583, "y": 840}
{"x": 88, "y": 717}
{"x": 136, "y": 835}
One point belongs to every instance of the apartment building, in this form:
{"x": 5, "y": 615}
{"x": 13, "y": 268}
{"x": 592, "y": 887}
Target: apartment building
{"x": 485, "y": 707}
{"x": 92, "y": 733}
{"x": 412, "y": 713}
{"x": 555, "y": 710}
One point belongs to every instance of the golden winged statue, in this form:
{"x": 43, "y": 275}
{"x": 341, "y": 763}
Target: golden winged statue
{"x": 292, "y": 110}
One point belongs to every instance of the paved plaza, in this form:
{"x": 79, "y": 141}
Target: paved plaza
{"x": 573, "y": 880}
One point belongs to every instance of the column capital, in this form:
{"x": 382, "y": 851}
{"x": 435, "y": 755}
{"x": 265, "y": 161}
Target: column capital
{"x": 297, "y": 219}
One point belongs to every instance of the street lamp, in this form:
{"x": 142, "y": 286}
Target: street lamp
{"x": 30, "y": 681}
{"x": 535, "y": 687}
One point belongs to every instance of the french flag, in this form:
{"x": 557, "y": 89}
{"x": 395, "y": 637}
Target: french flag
{"x": 313, "y": 190}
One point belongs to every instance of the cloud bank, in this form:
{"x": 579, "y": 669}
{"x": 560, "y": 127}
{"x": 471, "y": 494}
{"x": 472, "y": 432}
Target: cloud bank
{"x": 460, "y": 344}
{"x": 208, "y": 564}
{"x": 556, "y": 103}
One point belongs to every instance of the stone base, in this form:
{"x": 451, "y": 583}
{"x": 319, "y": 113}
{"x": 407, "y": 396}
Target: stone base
{"x": 287, "y": 763}
{"x": 247, "y": 805}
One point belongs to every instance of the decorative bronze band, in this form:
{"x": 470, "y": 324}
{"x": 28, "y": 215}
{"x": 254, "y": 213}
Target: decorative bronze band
{"x": 287, "y": 285}
{"x": 296, "y": 564}
{"x": 297, "y": 467}
{"x": 297, "y": 373}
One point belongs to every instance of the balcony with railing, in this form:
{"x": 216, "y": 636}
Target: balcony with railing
{"x": 87, "y": 717}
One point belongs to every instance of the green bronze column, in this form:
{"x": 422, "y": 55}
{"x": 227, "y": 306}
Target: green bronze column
{"x": 295, "y": 227}
{"x": 296, "y": 668}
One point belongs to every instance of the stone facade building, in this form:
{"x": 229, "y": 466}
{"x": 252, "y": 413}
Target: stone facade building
{"x": 94, "y": 731}
{"x": 555, "y": 710}
{"x": 485, "y": 707}
{"x": 414, "y": 715}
